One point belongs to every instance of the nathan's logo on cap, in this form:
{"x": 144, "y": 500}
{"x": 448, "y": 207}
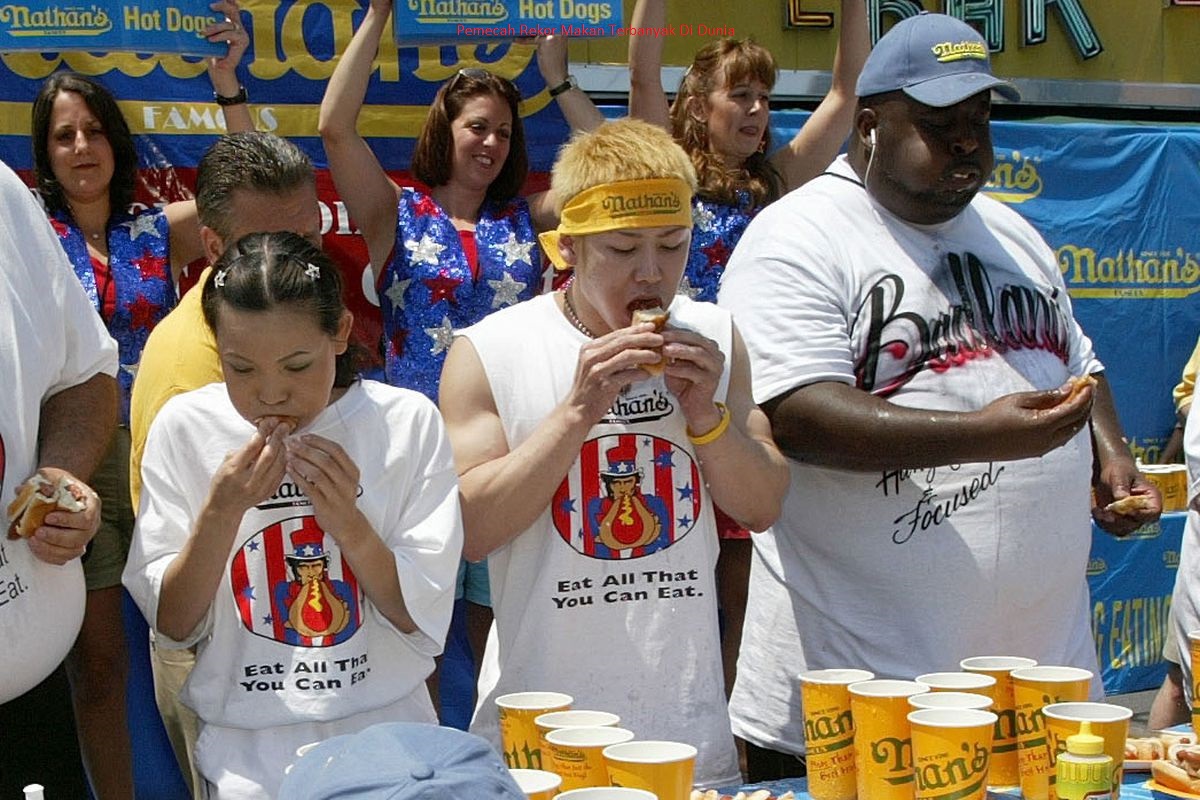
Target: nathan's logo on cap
{"x": 957, "y": 51}
{"x": 624, "y": 205}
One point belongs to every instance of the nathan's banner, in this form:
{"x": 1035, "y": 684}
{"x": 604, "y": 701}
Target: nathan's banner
{"x": 439, "y": 21}
{"x": 1131, "y": 580}
{"x": 148, "y": 26}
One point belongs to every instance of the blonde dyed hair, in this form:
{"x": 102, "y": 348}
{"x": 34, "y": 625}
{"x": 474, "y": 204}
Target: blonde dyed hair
{"x": 621, "y": 150}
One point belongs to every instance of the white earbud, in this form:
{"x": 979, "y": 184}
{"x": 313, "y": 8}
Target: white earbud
{"x": 871, "y": 137}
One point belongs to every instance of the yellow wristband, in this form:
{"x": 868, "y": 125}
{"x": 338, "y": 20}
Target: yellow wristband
{"x": 715, "y": 433}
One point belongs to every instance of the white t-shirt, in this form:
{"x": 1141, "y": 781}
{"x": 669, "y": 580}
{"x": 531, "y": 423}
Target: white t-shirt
{"x": 50, "y": 339}
{"x": 908, "y": 571}
{"x": 275, "y": 651}
{"x": 589, "y": 600}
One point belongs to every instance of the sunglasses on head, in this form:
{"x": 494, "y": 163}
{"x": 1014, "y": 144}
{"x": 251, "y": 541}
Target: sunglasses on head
{"x": 474, "y": 73}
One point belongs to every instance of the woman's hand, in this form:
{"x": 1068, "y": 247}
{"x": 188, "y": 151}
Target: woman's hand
{"x": 248, "y": 476}
{"x": 330, "y": 479}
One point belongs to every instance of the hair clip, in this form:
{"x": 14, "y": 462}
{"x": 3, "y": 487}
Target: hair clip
{"x": 219, "y": 279}
{"x": 312, "y": 270}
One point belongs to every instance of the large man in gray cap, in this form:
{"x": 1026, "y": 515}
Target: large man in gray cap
{"x": 914, "y": 345}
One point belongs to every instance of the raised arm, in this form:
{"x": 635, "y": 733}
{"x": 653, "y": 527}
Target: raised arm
{"x": 577, "y": 108}
{"x": 836, "y": 425}
{"x": 819, "y": 139}
{"x": 647, "y": 100}
{"x": 363, "y": 185}
{"x": 182, "y": 218}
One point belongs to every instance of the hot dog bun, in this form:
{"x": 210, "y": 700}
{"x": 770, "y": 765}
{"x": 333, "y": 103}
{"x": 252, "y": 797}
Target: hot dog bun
{"x": 659, "y": 317}
{"x": 1078, "y": 384}
{"x": 36, "y": 498}
{"x": 1131, "y": 504}
{"x": 1174, "y": 776}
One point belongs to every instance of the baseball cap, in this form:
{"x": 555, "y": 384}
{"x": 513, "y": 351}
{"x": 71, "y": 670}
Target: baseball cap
{"x": 401, "y": 761}
{"x": 936, "y": 59}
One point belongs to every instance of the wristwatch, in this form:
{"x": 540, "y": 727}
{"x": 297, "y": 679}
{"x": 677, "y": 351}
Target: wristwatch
{"x": 234, "y": 100}
{"x": 566, "y": 86}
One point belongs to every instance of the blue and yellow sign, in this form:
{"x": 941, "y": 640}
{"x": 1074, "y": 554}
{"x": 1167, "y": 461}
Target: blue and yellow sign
{"x": 445, "y": 21}
{"x": 151, "y": 26}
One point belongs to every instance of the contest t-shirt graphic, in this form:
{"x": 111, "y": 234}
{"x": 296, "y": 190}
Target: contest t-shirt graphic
{"x": 290, "y": 584}
{"x": 628, "y": 495}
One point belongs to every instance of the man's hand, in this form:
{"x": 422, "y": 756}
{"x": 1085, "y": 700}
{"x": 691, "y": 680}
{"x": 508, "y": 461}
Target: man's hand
{"x": 1029, "y": 424}
{"x": 64, "y": 535}
{"x": 1117, "y": 481}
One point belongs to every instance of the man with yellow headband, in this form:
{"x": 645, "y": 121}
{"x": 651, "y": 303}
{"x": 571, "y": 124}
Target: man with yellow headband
{"x": 588, "y": 481}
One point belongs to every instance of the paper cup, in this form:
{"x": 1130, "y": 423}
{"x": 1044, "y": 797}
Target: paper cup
{"x": 974, "y": 682}
{"x": 1172, "y": 483}
{"x": 607, "y": 793}
{"x": 577, "y": 754}
{"x": 518, "y": 735}
{"x": 1003, "y": 772}
{"x": 1035, "y": 688}
{"x": 537, "y": 784}
{"x": 829, "y": 731}
{"x": 882, "y": 742}
{"x": 663, "y": 768}
{"x": 979, "y": 702}
{"x": 1109, "y": 722}
{"x": 951, "y": 749}
{"x": 553, "y": 720}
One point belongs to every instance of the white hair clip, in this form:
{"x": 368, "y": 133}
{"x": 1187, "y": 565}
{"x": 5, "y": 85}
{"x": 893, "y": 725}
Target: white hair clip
{"x": 219, "y": 279}
{"x": 312, "y": 270}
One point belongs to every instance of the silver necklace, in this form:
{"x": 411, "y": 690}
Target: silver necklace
{"x": 572, "y": 317}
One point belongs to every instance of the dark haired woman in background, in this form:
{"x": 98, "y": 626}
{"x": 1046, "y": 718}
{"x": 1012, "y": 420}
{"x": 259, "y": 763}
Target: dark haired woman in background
{"x": 129, "y": 263}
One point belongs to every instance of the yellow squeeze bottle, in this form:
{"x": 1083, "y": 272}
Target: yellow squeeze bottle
{"x": 1084, "y": 771}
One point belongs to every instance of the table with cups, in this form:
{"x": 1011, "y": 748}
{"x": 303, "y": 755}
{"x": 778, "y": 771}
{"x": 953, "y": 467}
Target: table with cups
{"x": 994, "y": 729}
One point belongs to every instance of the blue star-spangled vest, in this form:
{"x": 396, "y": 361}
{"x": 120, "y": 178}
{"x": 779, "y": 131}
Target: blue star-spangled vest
{"x": 140, "y": 264}
{"x": 427, "y": 290}
{"x": 716, "y": 229}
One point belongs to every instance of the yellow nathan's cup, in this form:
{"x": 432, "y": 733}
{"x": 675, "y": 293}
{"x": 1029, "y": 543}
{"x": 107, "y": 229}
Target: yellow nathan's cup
{"x": 577, "y": 754}
{"x": 829, "y": 731}
{"x": 663, "y": 768}
{"x": 1034, "y": 689}
{"x": 537, "y": 784}
{"x": 975, "y": 682}
{"x": 1172, "y": 483}
{"x": 979, "y": 702}
{"x": 1109, "y": 722}
{"x": 518, "y": 734}
{"x": 1003, "y": 772}
{"x": 882, "y": 742}
{"x": 553, "y": 720}
{"x": 951, "y": 750}
{"x": 607, "y": 793}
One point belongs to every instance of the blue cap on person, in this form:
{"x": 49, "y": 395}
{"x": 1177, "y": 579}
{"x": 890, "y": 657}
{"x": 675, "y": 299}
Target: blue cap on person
{"x": 935, "y": 59}
{"x": 401, "y": 761}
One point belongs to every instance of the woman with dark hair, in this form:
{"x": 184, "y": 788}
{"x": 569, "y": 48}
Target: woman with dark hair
{"x": 129, "y": 263}
{"x": 446, "y": 257}
{"x": 299, "y": 526}
{"x": 721, "y": 117}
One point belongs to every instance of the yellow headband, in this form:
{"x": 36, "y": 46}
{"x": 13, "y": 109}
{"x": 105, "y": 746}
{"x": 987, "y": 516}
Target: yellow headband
{"x": 653, "y": 203}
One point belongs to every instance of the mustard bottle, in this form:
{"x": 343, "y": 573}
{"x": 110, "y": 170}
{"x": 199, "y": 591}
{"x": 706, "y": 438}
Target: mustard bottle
{"x": 1084, "y": 771}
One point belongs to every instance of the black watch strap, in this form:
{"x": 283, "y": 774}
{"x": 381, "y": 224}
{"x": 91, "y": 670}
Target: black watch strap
{"x": 564, "y": 87}
{"x": 235, "y": 100}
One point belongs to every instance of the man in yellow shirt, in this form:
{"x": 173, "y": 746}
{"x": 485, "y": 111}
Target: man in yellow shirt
{"x": 246, "y": 183}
